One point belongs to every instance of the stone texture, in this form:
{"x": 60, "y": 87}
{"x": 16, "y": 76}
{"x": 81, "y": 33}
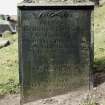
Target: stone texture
{"x": 55, "y": 1}
{"x": 55, "y": 48}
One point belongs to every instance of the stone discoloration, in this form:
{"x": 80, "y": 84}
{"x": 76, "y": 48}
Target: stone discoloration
{"x": 55, "y": 51}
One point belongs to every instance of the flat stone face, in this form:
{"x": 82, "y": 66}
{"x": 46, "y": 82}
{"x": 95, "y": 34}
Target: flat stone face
{"x": 55, "y": 52}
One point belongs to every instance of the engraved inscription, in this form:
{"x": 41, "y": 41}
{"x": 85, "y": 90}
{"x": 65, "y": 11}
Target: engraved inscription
{"x": 56, "y": 51}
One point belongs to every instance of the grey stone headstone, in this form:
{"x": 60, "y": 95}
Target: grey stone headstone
{"x": 3, "y": 28}
{"x": 55, "y": 49}
{"x": 5, "y": 25}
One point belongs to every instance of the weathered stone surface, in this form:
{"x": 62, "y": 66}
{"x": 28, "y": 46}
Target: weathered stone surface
{"x": 55, "y": 48}
{"x": 55, "y": 1}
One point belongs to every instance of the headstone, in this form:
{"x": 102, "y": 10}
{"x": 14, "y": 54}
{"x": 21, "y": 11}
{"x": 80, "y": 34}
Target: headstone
{"x": 5, "y": 25}
{"x": 13, "y": 23}
{"x": 55, "y": 49}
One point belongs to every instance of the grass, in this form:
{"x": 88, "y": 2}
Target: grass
{"x": 99, "y": 35}
{"x": 9, "y": 81}
{"x": 89, "y": 101}
{"x": 9, "y": 67}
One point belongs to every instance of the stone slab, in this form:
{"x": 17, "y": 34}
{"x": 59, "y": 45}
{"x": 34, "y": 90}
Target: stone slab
{"x": 55, "y": 50}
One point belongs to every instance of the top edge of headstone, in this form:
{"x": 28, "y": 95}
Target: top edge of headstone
{"x": 43, "y": 4}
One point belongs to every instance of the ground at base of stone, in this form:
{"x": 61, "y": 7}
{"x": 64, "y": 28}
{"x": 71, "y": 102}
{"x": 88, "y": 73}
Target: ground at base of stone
{"x": 99, "y": 93}
{"x": 72, "y": 98}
